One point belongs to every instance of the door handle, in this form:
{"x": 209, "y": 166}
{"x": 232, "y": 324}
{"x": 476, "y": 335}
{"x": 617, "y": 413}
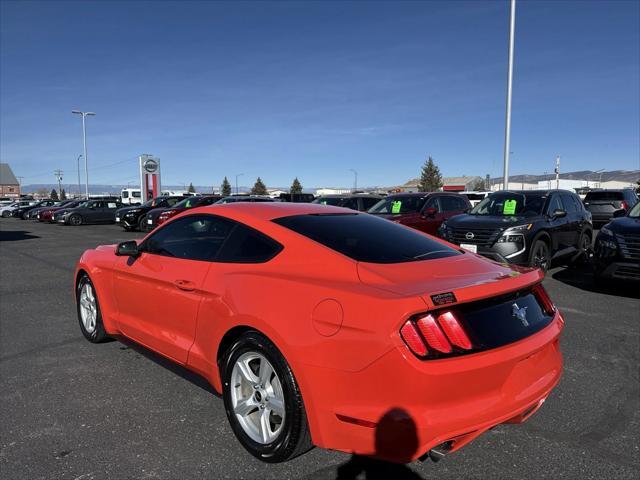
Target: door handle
{"x": 185, "y": 285}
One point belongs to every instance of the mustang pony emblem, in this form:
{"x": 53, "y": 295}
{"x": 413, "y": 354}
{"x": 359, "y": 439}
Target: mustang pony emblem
{"x": 520, "y": 314}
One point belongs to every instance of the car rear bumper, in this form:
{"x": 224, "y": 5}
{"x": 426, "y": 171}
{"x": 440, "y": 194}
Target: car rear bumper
{"x": 602, "y": 217}
{"x": 400, "y": 408}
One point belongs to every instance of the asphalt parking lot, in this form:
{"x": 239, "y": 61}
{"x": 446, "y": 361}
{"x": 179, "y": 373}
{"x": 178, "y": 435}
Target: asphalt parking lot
{"x": 70, "y": 409}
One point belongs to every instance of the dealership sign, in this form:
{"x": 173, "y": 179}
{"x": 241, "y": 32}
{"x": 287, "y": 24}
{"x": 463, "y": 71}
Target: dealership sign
{"x": 150, "y": 186}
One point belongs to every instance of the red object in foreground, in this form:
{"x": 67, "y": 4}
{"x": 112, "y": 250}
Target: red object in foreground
{"x": 318, "y": 323}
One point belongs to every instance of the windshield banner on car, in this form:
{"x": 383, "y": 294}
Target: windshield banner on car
{"x": 509, "y": 207}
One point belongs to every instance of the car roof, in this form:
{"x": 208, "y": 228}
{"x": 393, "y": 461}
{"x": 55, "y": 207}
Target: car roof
{"x": 271, "y": 210}
{"x": 349, "y": 195}
{"x": 536, "y": 192}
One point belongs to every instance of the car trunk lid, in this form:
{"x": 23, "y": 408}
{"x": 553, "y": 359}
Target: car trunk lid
{"x": 468, "y": 277}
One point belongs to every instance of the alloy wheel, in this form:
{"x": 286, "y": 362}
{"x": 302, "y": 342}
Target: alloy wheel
{"x": 257, "y": 398}
{"x": 541, "y": 256}
{"x": 88, "y": 308}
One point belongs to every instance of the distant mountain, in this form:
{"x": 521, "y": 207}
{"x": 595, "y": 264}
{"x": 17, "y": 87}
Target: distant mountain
{"x": 630, "y": 176}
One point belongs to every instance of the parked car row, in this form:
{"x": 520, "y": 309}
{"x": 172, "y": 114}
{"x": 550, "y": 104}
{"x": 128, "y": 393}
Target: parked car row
{"x": 530, "y": 227}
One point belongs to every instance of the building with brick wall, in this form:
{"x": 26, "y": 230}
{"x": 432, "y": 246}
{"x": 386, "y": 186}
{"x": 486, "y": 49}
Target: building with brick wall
{"x": 9, "y": 185}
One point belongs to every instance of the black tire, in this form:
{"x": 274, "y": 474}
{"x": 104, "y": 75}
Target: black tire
{"x": 142, "y": 223}
{"x": 98, "y": 333}
{"x": 75, "y": 220}
{"x": 585, "y": 251}
{"x": 6, "y": 214}
{"x": 294, "y": 439}
{"x": 540, "y": 254}
{"x": 25, "y": 215}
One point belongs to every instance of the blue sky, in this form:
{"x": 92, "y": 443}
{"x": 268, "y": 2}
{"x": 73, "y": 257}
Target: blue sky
{"x": 312, "y": 90}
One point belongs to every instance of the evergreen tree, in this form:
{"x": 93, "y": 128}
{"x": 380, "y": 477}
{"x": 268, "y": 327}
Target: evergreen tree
{"x": 63, "y": 195}
{"x": 431, "y": 179}
{"x": 296, "y": 186}
{"x": 225, "y": 188}
{"x": 259, "y": 188}
{"x": 191, "y": 188}
{"x": 53, "y": 195}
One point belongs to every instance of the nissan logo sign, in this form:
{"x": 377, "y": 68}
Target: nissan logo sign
{"x": 150, "y": 166}
{"x": 469, "y": 235}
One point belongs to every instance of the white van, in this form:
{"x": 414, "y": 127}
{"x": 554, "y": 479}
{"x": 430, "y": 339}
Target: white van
{"x": 131, "y": 196}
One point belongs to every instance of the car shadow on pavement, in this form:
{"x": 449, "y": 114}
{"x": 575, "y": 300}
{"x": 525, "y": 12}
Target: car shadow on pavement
{"x": 15, "y": 235}
{"x": 583, "y": 278}
{"x": 396, "y": 438}
{"x": 173, "y": 367}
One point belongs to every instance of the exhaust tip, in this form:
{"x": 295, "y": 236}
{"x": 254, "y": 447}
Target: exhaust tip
{"x": 438, "y": 452}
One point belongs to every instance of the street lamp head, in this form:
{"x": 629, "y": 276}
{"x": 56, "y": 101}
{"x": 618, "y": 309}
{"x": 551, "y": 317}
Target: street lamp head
{"x": 90, "y": 113}
{"x": 76, "y": 111}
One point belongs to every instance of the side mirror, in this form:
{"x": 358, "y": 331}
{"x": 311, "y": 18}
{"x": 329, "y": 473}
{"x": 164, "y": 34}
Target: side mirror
{"x": 559, "y": 213}
{"x": 619, "y": 213}
{"x": 128, "y": 249}
{"x": 430, "y": 212}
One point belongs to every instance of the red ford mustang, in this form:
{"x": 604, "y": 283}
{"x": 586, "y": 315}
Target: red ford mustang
{"x": 328, "y": 327}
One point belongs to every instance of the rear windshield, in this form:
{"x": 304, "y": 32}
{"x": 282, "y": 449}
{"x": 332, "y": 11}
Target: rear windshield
{"x": 366, "y": 238}
{"x": 399, "y": 204}
{"x": 334, "y": 201}
{"x": 606, "y": 196}
{"x": 475, "y": 196}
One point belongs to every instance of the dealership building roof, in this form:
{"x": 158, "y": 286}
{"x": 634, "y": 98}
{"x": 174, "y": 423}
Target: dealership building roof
{"x": 6, "y": 175}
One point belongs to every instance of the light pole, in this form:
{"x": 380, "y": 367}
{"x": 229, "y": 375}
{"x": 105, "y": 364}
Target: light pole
{"x": 79, "y": 157}
{"x": 238, "y": 175}
{"x": 507, "y": 128}
{"x": 84, "y": 143}
{"x": 355, "y": 183}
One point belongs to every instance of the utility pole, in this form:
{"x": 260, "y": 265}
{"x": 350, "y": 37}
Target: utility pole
{"x": 557, "y": 172}
{"x": 84, "y": 143}
{"x": 58, "y": 174}
{"x": 79, "y": 157}
{"x": 507, "y": 128}
{"x": 355, "y": 183}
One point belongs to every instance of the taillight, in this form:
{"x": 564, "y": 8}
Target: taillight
{"x": 543, "y": 297}
{"x": 427, "y": 337}
{"x": 166, "y": 215}
{"x": 412, "y": 338}
{"x": 454, "y": 330}
{"x": 433, "y": 335}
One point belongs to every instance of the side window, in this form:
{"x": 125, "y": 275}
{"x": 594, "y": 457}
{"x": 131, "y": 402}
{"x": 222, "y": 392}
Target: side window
{"x": 172, "y": 201}
{"x": 369, "y": 202}
{"x": 569, "y": 204}
{"x": 452, "y": 204}
{"x": 196, "y": 237}
{"x": 433, "y": 203}
{"x": 247, "y": 245}
{"x": 554, "y": 204}
{"x": 351, "y": 203}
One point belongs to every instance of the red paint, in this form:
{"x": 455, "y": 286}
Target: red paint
{"x": 364, "y": 372}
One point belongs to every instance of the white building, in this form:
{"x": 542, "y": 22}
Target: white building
{"x": 332, "y": 191}
{"x": 275, "y": 193}
{"x": 517, "y": 186}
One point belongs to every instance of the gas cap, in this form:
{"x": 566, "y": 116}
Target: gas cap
{"x": 327, "y": 317}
